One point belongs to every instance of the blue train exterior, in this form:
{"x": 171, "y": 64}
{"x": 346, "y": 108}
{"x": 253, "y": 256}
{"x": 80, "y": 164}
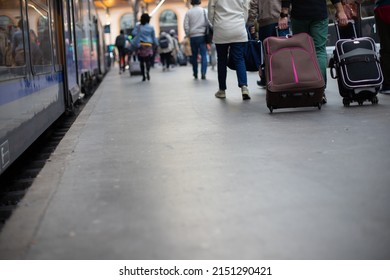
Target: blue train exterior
{"x": 51, "y": 53}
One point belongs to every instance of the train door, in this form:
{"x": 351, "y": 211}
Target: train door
{"x": 100, "y": 47}
{"x": 65, "y": 35}
{"x": 71, "y": 54}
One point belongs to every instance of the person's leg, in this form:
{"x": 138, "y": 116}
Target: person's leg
{"x": 195, "y": 52}
{"x": 319, "y": 32}
{"x": 163, "y": 60}
{"x": 203, "y": 54}
{"x": 222, "y": 57}
{"x": 237, "y": 53}
{"x": 267, "y": 31}
{"x": 142, "y": 63}
{"x": 168, "y": 59}
{"x": 148, "y": 63}
{"x": 384, "y": 37}
{"x": 121, "y": 60}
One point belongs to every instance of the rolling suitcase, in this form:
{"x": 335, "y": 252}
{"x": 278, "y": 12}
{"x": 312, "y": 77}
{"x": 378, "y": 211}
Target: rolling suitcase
{"x": 355, "y": 65}
{"x": 292, "y": 73}
{"x": 134, "y": 66}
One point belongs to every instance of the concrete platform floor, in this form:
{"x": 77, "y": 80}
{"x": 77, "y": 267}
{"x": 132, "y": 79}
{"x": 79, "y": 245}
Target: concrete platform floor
{"x": 164, "y": 170}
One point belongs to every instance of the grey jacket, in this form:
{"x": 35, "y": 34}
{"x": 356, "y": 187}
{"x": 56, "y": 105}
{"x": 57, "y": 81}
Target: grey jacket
{"x": 266, "y": 12}
{"x": 195, "y": 22}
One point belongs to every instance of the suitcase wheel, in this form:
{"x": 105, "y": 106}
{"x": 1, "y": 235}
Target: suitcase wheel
{"x": 319, "y": 105}
{"x": 346, "y": 102}
{"x": 271, "y": 109}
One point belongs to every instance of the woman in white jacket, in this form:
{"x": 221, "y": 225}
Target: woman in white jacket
{"x": 228, "y": 18}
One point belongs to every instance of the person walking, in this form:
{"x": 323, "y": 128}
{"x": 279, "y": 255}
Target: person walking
{"x": 120, "y": 43}
{"x": 229, "y": 18}
{"x": 266, "y": 13}
{"x": 176, "y": 47}
{"x": 382, "y": 18}
{"x": 195, "y": 23}
{"x": 165, "y": 49}
{"x": 311, "y": 16}
{"x": 145, "y": 40}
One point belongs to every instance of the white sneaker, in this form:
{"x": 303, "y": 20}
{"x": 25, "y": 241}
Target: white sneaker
{"x": 220, "y": 94}
{"x": 245, "y": 93}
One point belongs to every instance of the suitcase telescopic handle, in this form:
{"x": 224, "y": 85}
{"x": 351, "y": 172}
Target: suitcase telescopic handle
{"x": 289, "y": 32}
{"x": 351, "y": 23}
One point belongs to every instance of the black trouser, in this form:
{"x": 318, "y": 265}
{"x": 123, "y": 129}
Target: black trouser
{"x": 122, "y": 58}
{"x": 384, "y": 38}
{"x": 165, "y": 59}
{"x": 146, "y": 63}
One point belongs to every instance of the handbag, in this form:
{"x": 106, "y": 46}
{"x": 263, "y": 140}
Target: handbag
{"x": 209, "y": 30}
{"x": 253, "y": 55}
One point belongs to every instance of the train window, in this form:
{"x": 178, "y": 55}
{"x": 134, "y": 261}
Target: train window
{"x": 12, "y": 37}
{"x": 55, "y": 34}
{"x": 40, "y": 43}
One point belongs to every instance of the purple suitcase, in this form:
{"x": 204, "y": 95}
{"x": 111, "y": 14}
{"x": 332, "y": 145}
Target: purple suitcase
{"x": 293, "y": 76}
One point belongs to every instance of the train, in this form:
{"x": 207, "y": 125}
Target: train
{"x": 52, "y": 53}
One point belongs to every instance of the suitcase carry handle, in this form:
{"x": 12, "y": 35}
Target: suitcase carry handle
{"x": 355, "y": 52}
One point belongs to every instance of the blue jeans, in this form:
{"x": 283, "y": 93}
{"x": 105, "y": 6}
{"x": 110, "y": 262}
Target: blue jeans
{"x": 318, "y": 29}
{"x": 198, "y": 44}
{"x": 237, "y": 52}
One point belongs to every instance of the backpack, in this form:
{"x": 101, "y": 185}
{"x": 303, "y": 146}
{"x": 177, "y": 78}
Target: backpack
{"x": 120, "y": 41}
{"x": 163, "y": 42}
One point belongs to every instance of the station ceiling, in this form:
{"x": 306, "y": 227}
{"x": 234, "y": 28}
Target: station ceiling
{"x": 111, "y": 3}
{"x": 125, "y": 3}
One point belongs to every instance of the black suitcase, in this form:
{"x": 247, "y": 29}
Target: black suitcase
{"x": 355, "y": 65}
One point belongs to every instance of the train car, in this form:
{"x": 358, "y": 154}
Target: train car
{"x": 51, "y": 52}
